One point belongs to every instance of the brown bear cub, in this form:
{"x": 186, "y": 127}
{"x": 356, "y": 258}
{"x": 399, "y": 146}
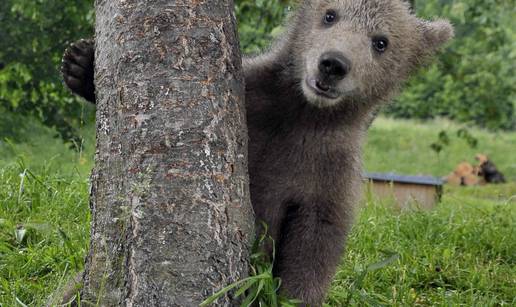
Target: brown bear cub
{"x": 309, "y": 101}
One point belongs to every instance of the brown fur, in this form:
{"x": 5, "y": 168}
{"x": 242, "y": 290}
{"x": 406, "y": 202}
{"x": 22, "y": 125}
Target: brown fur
{"x": 464, "y": 174}
{"x": 304, "y": 149}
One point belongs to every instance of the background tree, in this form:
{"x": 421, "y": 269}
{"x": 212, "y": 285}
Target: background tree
{"x": 32, "y": 38}
{"x": 474, "y": 81}
{"x": 260, "y": 21}
{"x": 171, "y": 215}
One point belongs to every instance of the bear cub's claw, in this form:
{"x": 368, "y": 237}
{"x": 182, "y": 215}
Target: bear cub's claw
{"x": 78, "y": 68}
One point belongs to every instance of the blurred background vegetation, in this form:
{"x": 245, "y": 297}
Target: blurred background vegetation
{"x": 473, "y": 81}
{"x": 33, "y": 35}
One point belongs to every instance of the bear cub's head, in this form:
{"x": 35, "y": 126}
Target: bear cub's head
{"x": 361, "y": 50}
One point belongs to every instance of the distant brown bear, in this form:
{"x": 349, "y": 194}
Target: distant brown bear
{"x": 310, "y": 99}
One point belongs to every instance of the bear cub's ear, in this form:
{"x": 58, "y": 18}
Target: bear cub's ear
{"x": 436, "y": 33}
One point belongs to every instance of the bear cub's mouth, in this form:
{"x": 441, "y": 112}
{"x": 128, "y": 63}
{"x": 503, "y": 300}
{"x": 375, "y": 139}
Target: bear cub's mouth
{"x": 321, "y": 88}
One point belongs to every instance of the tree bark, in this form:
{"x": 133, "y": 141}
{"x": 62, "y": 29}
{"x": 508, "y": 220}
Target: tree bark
{"x": 172, "y": 220}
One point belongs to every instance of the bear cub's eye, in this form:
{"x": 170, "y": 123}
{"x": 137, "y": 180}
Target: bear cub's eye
{"x": 380, "y": 44}
{"x": 330, "y": 17}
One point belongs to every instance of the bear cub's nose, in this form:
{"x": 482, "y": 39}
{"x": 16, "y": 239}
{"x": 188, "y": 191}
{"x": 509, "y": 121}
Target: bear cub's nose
{"x": 334, "y": 65}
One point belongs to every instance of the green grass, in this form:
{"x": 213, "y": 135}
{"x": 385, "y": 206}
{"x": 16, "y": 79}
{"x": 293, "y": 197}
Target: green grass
{"x": 404, "y": 147}
{"x": 463, "y": 253}
{"x": 43, "y": 232}
{"x": 44, "y": 215}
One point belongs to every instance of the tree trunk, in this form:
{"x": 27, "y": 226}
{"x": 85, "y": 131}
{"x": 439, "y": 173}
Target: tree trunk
{"x": 171, "y": 216}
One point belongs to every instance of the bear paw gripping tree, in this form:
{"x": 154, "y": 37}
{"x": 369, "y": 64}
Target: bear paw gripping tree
{"x": 169, "y": 186}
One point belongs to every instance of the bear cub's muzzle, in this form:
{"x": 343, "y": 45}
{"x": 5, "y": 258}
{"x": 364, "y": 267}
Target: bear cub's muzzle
{"x": 333, "y": 67}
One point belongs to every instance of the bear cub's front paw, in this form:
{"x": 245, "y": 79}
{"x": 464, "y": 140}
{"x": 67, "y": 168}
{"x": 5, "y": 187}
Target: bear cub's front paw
{"x": 78, "y": 68}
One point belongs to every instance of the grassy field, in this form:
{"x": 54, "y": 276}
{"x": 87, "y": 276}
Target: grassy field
{"x": 463, "y": 253}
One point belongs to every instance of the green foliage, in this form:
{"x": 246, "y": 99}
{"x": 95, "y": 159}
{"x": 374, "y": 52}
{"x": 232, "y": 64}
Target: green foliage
{"x": 32, "y": 40}
{"x": 259, "y": 21}
{"x": 474, "y": 81}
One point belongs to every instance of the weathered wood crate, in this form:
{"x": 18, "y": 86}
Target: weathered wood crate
{"x": 407, "y": 191}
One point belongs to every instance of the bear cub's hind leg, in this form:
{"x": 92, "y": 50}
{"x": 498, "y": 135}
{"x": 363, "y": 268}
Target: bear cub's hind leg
{"x": 78, "y": 68}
